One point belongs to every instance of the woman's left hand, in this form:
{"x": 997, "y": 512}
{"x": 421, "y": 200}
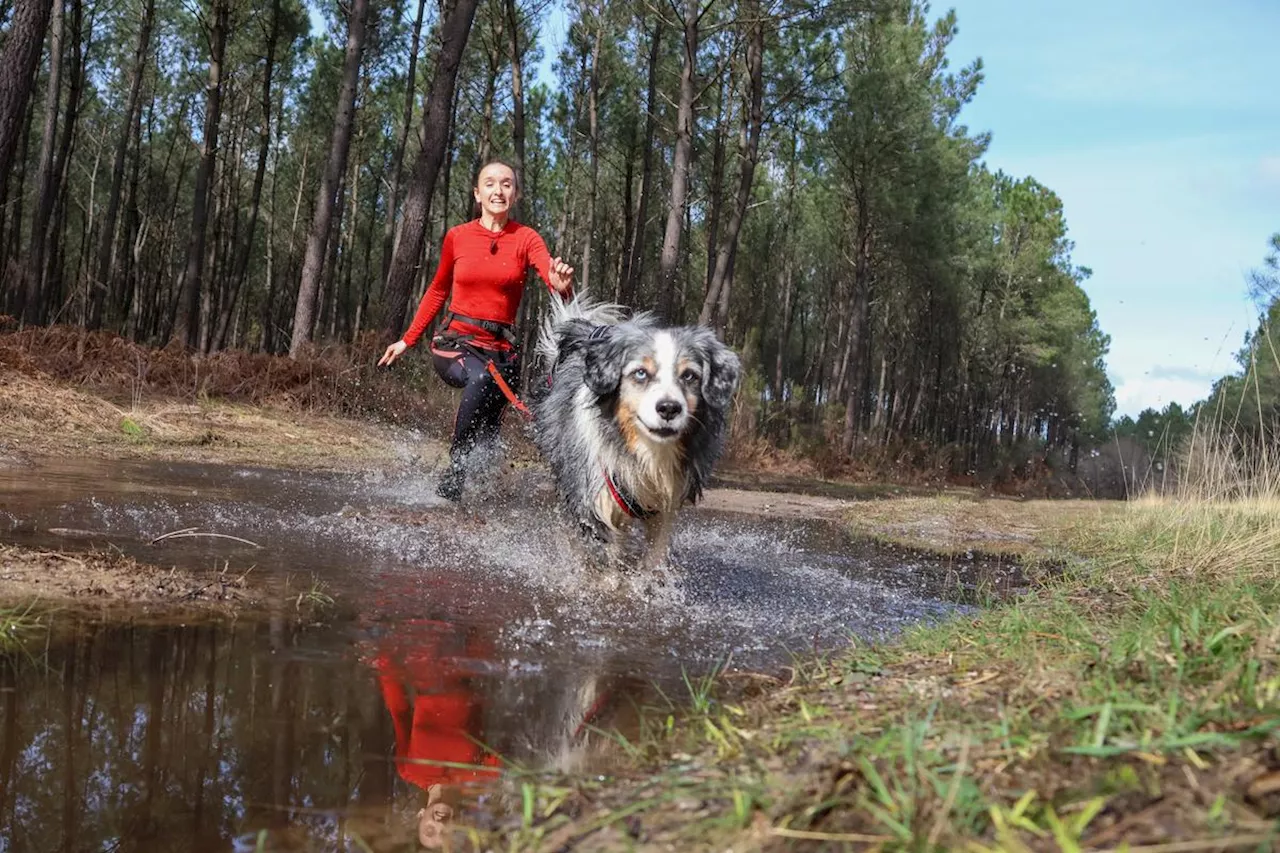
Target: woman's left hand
{"x": 561, "y": 276}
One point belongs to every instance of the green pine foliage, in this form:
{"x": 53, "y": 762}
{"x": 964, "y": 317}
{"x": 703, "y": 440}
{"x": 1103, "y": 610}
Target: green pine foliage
{"x": 890, "y": 289}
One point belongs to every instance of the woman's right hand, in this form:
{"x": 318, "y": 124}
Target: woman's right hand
{"x": 393, "y": 352}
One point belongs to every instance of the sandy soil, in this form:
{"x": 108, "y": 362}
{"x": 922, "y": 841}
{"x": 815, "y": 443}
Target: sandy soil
{"x": 776, "y": 504}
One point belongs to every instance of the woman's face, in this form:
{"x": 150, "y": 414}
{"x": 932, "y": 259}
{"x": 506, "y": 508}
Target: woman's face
{"x": 433, "y": 823}
{"x": 495, "y": 189}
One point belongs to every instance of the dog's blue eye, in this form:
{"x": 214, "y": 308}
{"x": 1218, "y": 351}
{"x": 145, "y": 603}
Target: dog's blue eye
{"x": 640, "y": 374}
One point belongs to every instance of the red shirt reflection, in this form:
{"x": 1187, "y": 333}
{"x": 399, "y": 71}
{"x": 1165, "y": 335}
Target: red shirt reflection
{"x": 438, "y": 724}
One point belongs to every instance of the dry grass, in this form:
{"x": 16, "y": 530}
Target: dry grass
{"x": 336, "y": 380}
{"x": 1221, "y": 518}
{"x": 43, "y": 417}
{"x": 1157, "y": 539}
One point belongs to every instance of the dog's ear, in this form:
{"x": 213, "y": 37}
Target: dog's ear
{"x": 721, "y": 380}
{"x": 722, "y": 372}
{"x": 602, "y": 361}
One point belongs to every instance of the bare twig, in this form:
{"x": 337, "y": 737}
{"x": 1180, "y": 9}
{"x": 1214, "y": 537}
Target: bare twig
{"x": 190, "y": 534}
{"x": 809, "y": 835}
{"x": 165, "y": 536}
{"x": 1205, "y": 844}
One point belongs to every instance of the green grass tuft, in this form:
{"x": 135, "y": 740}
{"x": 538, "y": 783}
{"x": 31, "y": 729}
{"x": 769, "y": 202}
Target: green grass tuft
{"x": 15, "y": 626}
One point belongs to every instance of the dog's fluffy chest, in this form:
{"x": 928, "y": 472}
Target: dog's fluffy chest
{"x": 653, "y": 480}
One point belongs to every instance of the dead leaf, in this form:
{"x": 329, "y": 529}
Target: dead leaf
{"x": 1267, "y": 783}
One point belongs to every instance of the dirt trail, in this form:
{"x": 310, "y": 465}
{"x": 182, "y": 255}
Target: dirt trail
{"x": 776, "y": 504}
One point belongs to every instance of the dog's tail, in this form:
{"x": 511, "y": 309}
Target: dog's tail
{"x": 580, "y": 311}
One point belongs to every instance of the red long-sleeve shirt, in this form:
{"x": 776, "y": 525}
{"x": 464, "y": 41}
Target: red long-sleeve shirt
{"x": 485, "y": 271}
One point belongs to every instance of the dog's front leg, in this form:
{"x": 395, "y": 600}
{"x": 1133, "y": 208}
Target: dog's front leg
{"x": 658, "y": 535}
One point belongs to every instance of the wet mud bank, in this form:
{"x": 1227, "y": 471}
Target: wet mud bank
{"x": 44, "y": 578}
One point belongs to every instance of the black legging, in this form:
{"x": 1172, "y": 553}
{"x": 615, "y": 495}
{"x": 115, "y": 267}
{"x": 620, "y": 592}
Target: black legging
{"x": 480, "y": 412}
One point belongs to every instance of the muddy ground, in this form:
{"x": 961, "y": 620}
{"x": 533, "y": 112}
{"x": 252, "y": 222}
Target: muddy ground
{"x": 42, "y": 417}
{"x": 50, "y": 580}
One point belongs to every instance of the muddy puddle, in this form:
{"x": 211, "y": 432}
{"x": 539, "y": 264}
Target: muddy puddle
{"x": 460, "y": 634}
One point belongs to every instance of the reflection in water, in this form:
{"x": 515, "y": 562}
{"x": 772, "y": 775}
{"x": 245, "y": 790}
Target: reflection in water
{"x": 199, "y": 738}
{"x": 428, "y": 682}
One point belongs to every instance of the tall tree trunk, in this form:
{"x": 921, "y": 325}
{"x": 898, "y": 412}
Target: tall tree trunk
{"x": 187, "y": 322}
{"x": 568, "y": 205}
{"x": 340, "y": 318}
{"x": 517, "y": 88}
{"x": 593, "y": 146}
{"x": 446, "y": 178}
{"x": 225, "y": 194}
{"x": 715, "y": 183}
{"x": 435, "y": 130}
{"x": 786, "y": 283}
{"x": 669, "y": 261}
{"x": 105, "y": 278}
{"x": 167, "y": 321}
{"x": 241, "y": 264}
{"x": 317, "y": 240}
{"x": 636, "y": 250}
{"x": 750, "y": 151}
{"x": 135, "y": 239}
{"x": 397, "y": 159}
{"x": 366, "y": 279}
{"x": 785, "y": 278}
{"x": 270, "y": 344}
{"x": 28, "y": 21}
{"x": 493, "y": 52}
{"x": 11, "y": 231}
{"x": 628, "y": 217}
{"x": 292, "y": 267}
{"x": 53, "y": 232}
{"x": 46, "y": 186}
{"x": 324, "y": 293}
{"x": 858, "y": 303}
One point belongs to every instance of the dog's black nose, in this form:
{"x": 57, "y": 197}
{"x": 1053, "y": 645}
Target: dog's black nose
{"x": 669, "y": 409}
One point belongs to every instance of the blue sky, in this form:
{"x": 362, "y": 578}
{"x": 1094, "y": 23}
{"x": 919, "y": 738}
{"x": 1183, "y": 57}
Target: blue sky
{"x": 1158, "y": 124}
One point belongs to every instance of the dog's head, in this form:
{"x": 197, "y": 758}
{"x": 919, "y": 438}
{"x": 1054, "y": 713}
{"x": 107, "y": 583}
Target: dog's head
{"x": 668, "y": 382}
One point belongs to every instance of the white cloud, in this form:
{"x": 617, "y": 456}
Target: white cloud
{"x": 1151, "y": 393}
{"x": 1181, "y": 372}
